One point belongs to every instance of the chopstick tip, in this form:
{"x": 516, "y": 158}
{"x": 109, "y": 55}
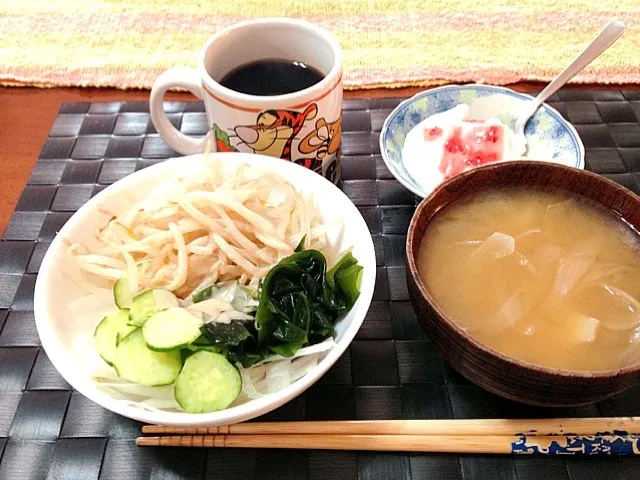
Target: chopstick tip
{"x": 148, "y": 441}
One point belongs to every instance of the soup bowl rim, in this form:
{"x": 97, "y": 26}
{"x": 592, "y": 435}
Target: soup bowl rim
{"x": 425, "y": 205}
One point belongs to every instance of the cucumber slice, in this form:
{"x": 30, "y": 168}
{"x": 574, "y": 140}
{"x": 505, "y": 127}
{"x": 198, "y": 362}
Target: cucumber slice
{"x": 201, "y": 343}
{"x": 122, "y": 293}
{"x": 124, "y": 332}
{"x": 194, "y": 347}
{"x": 170, "y": 329}
{"x": 107, "y": 331}
{"x": 208, "y": 382}
{"x": 148, "y": 303}
{"x": 135, "y": 362}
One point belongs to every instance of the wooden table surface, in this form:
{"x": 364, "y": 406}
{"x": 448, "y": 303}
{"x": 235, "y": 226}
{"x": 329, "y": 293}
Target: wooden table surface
{"x": 26, "y": 115}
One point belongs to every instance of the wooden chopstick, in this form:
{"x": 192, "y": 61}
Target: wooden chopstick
{"x": 543, "y": 445}
{"x": 484, "y": 427}
{"x": 559, "y": 436}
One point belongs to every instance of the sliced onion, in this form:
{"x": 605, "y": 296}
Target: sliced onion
{"x": 545, "y": 256}
{"x": 631, "y": 304}
{"x": 206, "y": 282}
{"x": 278, "y": 376}
{"x": 631, "y": 354}
{"x": 498, "y": 245}
{"x": 225, "y": 291}
{"x": 212, "y": 307}
{"x": 98, "y": 302}
{"x": 323, "y": 346}
{"x": 130, "y": 388}
{"x": 151, "y": 405}
{"x": 571, "y": 271}
{"x": 230, "y": 315}
{"x": 80, "y": 281}
{"x": 509, "y": 314}
{"x": 526, "y": 233}
{"x": 161, "y": 404}
{"x": 243, "y": 300}
{"x": 524, "y": 262}
{"x": 263, "y": 377}
{"x": 248, "y": 387}
{"x": 303, "y": 365}
{"x": 558, "y": 206}
{"x": 605, "y": 270}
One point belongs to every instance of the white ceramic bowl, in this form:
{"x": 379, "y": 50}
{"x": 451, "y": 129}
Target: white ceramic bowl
{"x": 549, "y": 136}
{"x": 65, "y": 340}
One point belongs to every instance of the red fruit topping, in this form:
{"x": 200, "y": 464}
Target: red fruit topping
{"x": 478, "y": 146}
{"x": 431, "y": 134}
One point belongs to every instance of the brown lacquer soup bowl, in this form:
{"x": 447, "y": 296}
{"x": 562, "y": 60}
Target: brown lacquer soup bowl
{"x": 495, "y": 372}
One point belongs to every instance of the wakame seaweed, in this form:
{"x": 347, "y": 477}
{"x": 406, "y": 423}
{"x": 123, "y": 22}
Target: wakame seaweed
{"x": 299, "y": 304}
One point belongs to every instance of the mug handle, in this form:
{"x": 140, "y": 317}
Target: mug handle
{"x": 188, "y": 78}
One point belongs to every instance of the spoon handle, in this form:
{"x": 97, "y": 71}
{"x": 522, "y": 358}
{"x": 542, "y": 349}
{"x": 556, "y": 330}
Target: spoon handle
{"x": 604, "y": 40}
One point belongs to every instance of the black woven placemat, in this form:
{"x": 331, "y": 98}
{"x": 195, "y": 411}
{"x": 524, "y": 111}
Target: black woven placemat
{"x": 391, "y": 371}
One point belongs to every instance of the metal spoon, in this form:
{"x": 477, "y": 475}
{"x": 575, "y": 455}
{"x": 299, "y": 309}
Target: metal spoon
{"x": 604, "y": 40}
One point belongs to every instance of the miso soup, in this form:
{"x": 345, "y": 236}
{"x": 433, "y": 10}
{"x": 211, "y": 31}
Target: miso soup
{"x": 541, "y": 277}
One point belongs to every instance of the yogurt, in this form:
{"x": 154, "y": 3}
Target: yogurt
{"x": 449, "y": 143}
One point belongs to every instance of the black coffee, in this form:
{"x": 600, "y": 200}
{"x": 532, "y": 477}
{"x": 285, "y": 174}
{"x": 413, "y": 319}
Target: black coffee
{"x": 271, "y": 77}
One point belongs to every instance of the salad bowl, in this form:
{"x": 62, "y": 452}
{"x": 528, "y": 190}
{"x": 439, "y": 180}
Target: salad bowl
{"x": 69, "y": 342}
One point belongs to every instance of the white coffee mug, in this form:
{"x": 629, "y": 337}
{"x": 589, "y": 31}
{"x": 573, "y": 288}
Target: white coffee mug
{"x": 303, "y": 127}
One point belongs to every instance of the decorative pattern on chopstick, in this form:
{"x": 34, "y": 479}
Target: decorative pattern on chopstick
{"x": 521, "y": 444}
{"x": 529, "y": 427}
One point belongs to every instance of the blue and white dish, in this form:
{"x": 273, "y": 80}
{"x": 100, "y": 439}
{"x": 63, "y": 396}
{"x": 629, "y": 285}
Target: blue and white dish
{"x": 549, "y": 136}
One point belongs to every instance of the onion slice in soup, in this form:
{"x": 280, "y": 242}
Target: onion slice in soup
{"x": 571, "y": 270}
{"x": 631, "y": 304}
{"x": 498, "y": 245}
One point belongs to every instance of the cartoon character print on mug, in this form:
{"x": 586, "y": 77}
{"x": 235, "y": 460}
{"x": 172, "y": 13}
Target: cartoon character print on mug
{"x": 303, "y": 126}
{"x": 290, "y": 135}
